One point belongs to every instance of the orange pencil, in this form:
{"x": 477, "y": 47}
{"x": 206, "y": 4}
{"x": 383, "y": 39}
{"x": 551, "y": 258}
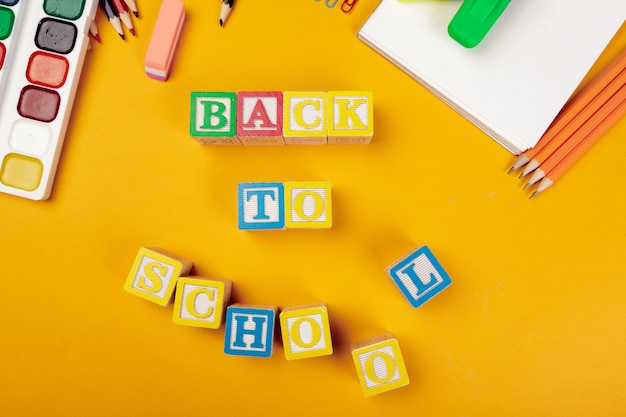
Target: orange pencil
{"x": 580, "y": 135}
{"x": 564, "y": 164}
{"x": 573, "y": 107}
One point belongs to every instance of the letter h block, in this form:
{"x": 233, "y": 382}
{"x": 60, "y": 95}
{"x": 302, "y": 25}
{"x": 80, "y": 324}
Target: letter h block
{"x": 260, "y": 117}
{"x": 250, "y": 330}
{"x": 154, "y": 274}
{"x": 419, "y": 276}
{"x": 213, "y": 118}
{"x": 350, "y": 117}
{"x": 379, "y": 364}
{"x": 201, "y": 302}
{"x": 306, "y": 331}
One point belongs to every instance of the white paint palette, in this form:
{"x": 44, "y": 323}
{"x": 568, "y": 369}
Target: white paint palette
{"x": 42, "y": 48}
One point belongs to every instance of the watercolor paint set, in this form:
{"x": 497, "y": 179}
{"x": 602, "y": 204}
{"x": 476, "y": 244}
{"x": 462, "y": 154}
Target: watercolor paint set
{"x": 42, "y": 49}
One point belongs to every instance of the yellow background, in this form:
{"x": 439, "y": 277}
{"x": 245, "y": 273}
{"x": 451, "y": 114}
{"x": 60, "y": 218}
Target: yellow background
{"x": 532, "y": 325}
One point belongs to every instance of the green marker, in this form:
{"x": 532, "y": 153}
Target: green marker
{"x": 474, "y": 19}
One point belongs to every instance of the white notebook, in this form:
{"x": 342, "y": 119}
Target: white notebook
{"x": 514, "y": 83}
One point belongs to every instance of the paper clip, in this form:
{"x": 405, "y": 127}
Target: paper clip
{"x": 348, "y": 5}
{"x": 473, "y": 20}
{"x": 330, "y": 6}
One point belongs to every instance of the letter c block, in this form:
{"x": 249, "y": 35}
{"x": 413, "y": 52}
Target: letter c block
{"x": 201, "y": 302}
{"x": 154, "y": 274}
{"x": 306, "y": 331}
{"x": 379, "y": 364}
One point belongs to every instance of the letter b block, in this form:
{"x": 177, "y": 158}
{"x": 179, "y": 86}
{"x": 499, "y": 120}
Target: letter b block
{"x": 154, "y": 274}
{"x": 379, "y": 364}
{"x": 419, "y": 276}
{"x": 250, "y": 330}
{"x": 306, "y": 331}
{"x": 213, "y": 118}
{"x": 201, "y": 302}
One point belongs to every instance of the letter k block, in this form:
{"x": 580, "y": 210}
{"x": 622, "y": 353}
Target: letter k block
{"x": 261, "y": 206}
{"x": 419, "y": 276}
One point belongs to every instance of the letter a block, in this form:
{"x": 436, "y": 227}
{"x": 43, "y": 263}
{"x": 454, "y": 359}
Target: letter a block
{"x": 419, "y": 276}
{"x": 308, "y": 205}
{"x": 306, "y": 331}
{"x": 250, "y": 330}
{"x": 261, "y": 206}
{"x": 213, "y": 118}
{"x": 154, "y": 275}
{"x": 201, "y": 302}
{"x": 350, "y": 117}
{"x": 305, "y": 118}
{"x": 379, "y": 364}
{"x": 260, "y": 117}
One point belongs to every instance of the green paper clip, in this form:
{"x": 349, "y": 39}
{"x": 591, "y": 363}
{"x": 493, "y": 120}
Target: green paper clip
{"x": 474, "y": 19}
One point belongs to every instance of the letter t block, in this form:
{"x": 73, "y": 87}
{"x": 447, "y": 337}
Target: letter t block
{"x": 306, "y": 331}
{"x": 419, "y": 276}
{"x": 213, "y": 119}
{"x": 154, "y": 274}
{"x": 379, "y": 364}
{"x": 250, "y": 330}
{"x": 261, "y": 205}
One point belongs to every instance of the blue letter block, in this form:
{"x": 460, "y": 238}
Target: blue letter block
{"x": 261, "y": 205}
{"x": 249, "y": 330}
{"x": 419, "y": 276}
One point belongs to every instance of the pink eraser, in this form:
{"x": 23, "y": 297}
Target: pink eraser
{"x": 164, "y": 39}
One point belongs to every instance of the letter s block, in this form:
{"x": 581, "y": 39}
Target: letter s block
{"x": 250, "y": 330}
{"x": 306, "y": 331}
{"x": 379, "y": 364}
{"x": 213, "y": 118}
{"x": 154, "y": 274}
{"x": 201, "y": 302}
{"x": 419, "y": 276}
{"x": 350, "y": 117}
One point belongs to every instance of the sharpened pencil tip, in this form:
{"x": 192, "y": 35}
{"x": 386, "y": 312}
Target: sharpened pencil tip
{"x": 526, "y": 186}
{"x": 511, "y": 170}
{"x": 136, "y": 14}
{"x": 132, "y": 31}
{"x": 533, "y": 194}
{"x": 221, "y": 22}
{"x": 122, "y": 36}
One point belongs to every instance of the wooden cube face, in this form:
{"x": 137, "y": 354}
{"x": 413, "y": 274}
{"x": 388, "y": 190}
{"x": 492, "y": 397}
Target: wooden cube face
{"x": 305, "y": 118}
{"x": 154, "y": 274}
{"x": 419, "y": 276}
{"x": 308, "y": 205}
{"x": 350, "y": 117}
{"x": 379, "y": 364}
{"x": 201, "y": 302}
{"x": 261, "y": 206}
{"x": 260, "y": 117}
{"x": 250, "y": 330}
{"x": 306, "y": 331}
{"x": 213, "y": 118}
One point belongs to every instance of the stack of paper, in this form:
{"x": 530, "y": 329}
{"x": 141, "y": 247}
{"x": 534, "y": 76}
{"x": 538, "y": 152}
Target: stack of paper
{"x": 514, "y": 83}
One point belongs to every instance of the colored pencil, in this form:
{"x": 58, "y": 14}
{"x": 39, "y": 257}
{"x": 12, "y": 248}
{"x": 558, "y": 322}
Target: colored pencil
{"x": 227, "y": 6}
{"x": 556, "y": 172}
{"x": 132, "y": 5}
{"x": 122, "y": 11}
{"x": 93, "y": 31}
{"x": 571, "y": 110}
{"x": 113, "y": 17}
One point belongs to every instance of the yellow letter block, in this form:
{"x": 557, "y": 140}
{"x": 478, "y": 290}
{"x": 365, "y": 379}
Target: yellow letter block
{"x": 304, "y": 119}
{"x": 350, "y": 117}
{"x": 201, "y": 302}
{"x": 379, "y": 364}
{"x": 154, "y": 275}
{"x": 308, "y": 205}
{"x": 306, "y": 331}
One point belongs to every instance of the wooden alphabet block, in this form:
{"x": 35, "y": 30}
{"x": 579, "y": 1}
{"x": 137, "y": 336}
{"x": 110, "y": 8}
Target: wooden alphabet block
{"x": 419, "y": 276}
{"x": 260, "y": 117}
{"x": 154, "y": 274}
{"x": 306, "y": 331}
{"x": 308, "y": 205}
{"x": 379, "y": 364}
{"x": 305, "y": 118}
{"x": 201, "y": 302}
{"x": 261, "y": 206}
{"x": 350, "y": 117}
{"x": 250, "y": 330}
{"x": 214, "y": 118}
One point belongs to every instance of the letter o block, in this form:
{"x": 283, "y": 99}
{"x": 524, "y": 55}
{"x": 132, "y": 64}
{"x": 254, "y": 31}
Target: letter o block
{"x": 308, "y": 205}
{"x": 201, "y": 302}
{"x": 154, "y": 274}
{"x": 306, "y": 331}
{"x": 379, "y": 364}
